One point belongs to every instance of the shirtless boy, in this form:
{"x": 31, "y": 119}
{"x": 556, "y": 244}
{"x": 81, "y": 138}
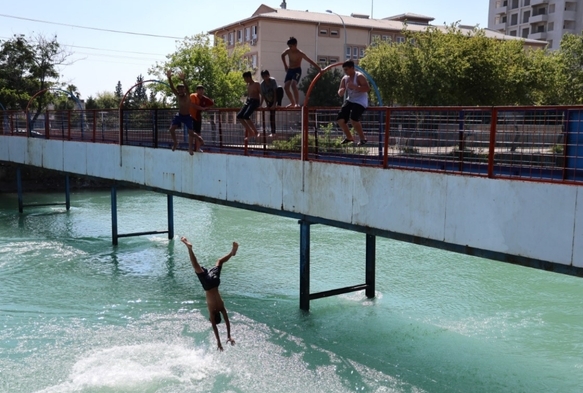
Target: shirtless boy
{"x": 210, "y": 280}
{"x": 183, "y": 116}
{"x": 253, "y": 102}
{"x": 294, "y": 70}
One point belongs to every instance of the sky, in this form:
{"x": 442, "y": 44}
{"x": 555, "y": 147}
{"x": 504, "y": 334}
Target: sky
{"x": 111, "y": 41}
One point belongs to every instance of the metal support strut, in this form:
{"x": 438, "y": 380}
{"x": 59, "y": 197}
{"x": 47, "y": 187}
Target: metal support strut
{"x": 114, "y": 233}
{"x": 21, "y": 204}
{"x": 306, "y": 296}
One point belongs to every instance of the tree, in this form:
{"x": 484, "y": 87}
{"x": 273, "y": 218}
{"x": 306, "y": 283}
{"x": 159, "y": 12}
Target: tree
{"x": 325, "y": 91}
{"x": 210, "y": 65}
{"x": 119, "y": 93}
{"x": 103, "y": 100}
{"x": 139, "y": 97}
{"x": 449, "y": 67}
{"x": 570, "y": 54}
{"x": 27, "y": 67}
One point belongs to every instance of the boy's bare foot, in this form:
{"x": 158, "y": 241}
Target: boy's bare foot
{"x": 290, "y": 105}
{"x": 234, "y": 250}
{"x": 185, "y": 241}
{"x": 191, "y": 152}
{"x": 174, "y": 145}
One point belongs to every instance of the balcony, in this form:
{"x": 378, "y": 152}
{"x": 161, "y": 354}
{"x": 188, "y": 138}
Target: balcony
{"x": 501, "y": 27}
{"x": 570, "y": 15}
{"x": 538, "y": 36}
{"x": 538, "y": 18}
{"x": 500, "y": 7}
{"x": 538, "y": 2}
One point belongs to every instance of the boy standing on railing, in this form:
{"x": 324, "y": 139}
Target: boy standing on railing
{"x": 183, "y": 116}
{"x": 198, "y": 103}
{"x": 293, "y": 71}
{"x": 356, "y": 86}
{"x": 252, "y": 103}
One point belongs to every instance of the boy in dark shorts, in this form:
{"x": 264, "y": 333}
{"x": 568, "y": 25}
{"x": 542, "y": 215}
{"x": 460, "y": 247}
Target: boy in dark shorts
{"x": 356, "y": 87}
{"x": 293, "y": 70}
{"x": 210, "y": 280}
{"x": 252, "y": 103}
{"x": 272, "y": 94}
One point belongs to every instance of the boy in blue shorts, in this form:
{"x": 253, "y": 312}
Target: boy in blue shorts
{"x": 183, "y": 116}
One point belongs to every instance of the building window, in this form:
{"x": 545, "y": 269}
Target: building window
{"x": 513, "y": 20}
{"x": 400, "y": 39}
{"x": 540, "y": 29}
{"x": 513, "y": 33}
{"x": 239, "y": 35}
{"x": 247, "y": 34}
{"x": 323, "y": 32}
{"x": 551, "y": 9}
{"x": 327, "y": 60}
{"x": 525, "y": 33}
{"x": 551, "y": 26}
{"x": 514, "y": 4}
{"x": 334, "y": 33}
{"x": 225, "y": 39}
{"x": 231, "y": 38}
{"x": 354, "y": 52}
{"x": 526, "y": 3}
{"x": 550, "y": 44}
{"x": 525, "y": 16}
{"x": 504, "y": 19}
{"x": 254, "y": 32}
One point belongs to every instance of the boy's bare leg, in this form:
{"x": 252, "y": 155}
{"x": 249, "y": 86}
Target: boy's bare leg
{"x": 346, "y": 130}
{"x": 173, "y": 135}
{"x": 294, "y": 87}
{"x": 290, "y": 96}
{"x": 193, "y": 260}
{"x": 190, "y": 142}
{"x": 229, "y": 255}
{"x": 358, "y": 127}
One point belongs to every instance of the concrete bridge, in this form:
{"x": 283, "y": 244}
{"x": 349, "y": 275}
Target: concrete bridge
{"x": 517, "y": 220}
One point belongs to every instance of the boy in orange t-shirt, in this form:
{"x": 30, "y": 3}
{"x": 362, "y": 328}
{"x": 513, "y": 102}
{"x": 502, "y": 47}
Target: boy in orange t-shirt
{"x": 198, "y": 103}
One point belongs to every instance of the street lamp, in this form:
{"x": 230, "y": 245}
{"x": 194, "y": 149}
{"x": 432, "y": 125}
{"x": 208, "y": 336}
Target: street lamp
{"x": 343, "y": 25}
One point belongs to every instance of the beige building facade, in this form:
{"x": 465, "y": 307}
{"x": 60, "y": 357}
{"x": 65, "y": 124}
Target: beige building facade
{"x": 544, "y": 20}
{"x": 325, "y": 37}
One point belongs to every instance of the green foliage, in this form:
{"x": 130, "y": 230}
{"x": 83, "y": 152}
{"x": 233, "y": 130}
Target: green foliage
{"x": 28, "y": 66}
{"x": 325, "y": 91}
{"x": 326, "y": 142}
{"x": 103, "y": 100}
{"x": 211, "y": 65}
{"x": 439, "y": 67}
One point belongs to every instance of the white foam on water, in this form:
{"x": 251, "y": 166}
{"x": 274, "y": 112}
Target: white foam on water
{"x": 136, "y": 367}
{"x": 177, "y": 353}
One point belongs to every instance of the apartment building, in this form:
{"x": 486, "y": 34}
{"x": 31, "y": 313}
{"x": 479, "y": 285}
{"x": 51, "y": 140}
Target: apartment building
{"x": 544, "y": 20}
{"x": 326, "y": 37}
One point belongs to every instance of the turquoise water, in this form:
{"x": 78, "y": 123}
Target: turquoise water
{"x": 79, "y": 315}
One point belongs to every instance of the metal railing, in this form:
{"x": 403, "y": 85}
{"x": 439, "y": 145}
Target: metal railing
{"x": 529, "y": 143}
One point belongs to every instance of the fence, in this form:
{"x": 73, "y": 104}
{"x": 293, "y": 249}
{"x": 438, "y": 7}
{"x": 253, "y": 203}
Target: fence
{"x": 533, "y": 143}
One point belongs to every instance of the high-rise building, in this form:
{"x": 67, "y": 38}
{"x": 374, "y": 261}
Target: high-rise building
{"x": 544, "y": 20}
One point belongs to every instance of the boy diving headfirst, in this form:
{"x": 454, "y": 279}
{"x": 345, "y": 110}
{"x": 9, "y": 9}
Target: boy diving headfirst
{"x": 210, "y": 280}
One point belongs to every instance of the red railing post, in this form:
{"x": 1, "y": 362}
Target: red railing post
{"x": 492, "y": 147}
{"x": 387, "y": 136}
